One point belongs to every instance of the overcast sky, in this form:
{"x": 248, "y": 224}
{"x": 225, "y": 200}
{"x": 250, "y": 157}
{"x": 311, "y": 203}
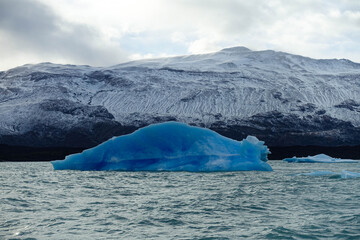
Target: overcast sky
{"x": 108, "y": 32}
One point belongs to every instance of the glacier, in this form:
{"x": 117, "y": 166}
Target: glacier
{"x": 171, "y": 146}
{"x": 320, "y": 158}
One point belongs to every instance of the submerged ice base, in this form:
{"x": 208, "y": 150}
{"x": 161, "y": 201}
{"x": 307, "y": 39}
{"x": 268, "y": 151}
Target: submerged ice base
{"x": 320, "y": 158}
{"x": 171, "y": 146}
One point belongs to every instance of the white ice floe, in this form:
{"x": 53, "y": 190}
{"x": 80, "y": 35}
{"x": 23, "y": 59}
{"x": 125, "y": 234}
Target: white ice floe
{"x": 320, "y": 158}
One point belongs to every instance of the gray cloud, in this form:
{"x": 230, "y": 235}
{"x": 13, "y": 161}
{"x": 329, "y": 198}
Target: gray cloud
{"x": 31, "y": 30}
{"x": 36, "y": 30}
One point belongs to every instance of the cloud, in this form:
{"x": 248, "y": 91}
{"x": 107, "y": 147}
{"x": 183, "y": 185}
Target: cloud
{"x": 315, "y": 28}
{"x": 32, "y": 31}
{"x": 110, "y": 31}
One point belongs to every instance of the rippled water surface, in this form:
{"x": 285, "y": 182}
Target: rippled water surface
{"x": 37, "y": 202}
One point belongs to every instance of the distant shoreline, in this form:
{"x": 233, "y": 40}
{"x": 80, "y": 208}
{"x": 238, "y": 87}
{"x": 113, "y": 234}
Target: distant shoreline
{"x": 36, "y": 154}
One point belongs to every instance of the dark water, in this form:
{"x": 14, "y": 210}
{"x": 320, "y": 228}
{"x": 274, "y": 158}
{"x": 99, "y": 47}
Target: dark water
{"x": 39, "y": 203}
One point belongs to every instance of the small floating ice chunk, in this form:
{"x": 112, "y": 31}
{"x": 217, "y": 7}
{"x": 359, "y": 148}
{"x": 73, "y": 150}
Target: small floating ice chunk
{"x": 348, "y": 174}
{"x": 171, "y": 146}
{"x": 320, "y": 158}
{"x": 343, "y": 174}
{"x": 317, "y": 173}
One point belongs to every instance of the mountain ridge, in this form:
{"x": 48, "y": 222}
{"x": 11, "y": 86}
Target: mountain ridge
{"x": 281, "y": 98}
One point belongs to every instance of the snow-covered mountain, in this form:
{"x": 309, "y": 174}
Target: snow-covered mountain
{"x": 281, "y": 98}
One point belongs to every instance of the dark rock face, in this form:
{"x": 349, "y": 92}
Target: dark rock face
{"x": 350, "y": 105}
{"x": 108, "y": 77}
{"x": 72, "y": 108}
{"x": 278, "y": 129}
{"x": 68, "y": 124}
{"x": 83, "y": 135}
{"x": 42, "y": 76}
{"x": 309, "y": 107}
{"x": 275, "y": 128}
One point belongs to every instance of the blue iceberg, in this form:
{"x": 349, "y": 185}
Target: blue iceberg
{"x": 320, "y": 158}
{"x": 171, "y": 146}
